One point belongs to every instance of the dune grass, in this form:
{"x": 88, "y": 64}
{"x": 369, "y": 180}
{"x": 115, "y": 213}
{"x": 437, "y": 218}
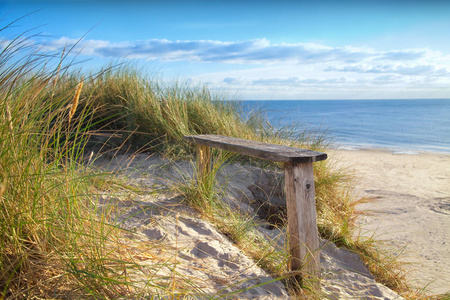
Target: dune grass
{"x": 146, "y": 110}
{"x": 54, "y": 242}
{"x": 48, "y": 243}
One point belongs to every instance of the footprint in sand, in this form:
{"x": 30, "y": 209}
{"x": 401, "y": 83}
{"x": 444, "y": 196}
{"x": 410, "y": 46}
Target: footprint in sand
{"x": 442, "y": 206}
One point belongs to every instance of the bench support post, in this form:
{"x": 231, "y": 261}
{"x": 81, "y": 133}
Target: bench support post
{"x": 301, "y": 211}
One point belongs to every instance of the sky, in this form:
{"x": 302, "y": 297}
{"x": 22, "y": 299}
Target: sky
{"x": 256, "y": 50}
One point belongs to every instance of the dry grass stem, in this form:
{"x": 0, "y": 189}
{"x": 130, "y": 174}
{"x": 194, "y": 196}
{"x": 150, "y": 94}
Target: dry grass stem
{"x": 9, "y": 118}
{"x": 55, "y": 78}
{"x": 75, "y": 99}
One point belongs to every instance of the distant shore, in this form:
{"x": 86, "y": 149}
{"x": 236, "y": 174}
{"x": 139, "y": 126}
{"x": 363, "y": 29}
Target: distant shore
{"x": 398, "y": 150}
{"x": 393, "y": 150}
{"x": 410, "y": 208}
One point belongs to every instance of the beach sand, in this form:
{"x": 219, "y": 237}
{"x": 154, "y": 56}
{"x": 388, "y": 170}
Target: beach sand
{"x": 212, "y": 263}
{"x": 410, "y": 210}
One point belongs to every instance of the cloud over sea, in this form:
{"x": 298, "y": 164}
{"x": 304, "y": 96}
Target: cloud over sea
{"x": 352, "y": 72}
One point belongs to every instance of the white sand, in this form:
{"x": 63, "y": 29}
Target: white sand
{"x": 411, "y": 208}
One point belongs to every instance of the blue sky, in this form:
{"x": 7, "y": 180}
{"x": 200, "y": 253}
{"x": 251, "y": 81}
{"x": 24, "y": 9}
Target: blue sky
{"x": 258, "y": 49}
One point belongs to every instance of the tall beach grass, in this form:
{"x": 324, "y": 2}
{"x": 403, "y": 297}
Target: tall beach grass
{"x": 49, "y": 244}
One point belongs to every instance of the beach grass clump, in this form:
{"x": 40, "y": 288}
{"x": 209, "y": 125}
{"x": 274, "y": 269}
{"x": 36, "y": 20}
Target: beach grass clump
{"x": 46, "y": 237}
{"x": 55, "y": 242}
{"x": 149, "y": 113}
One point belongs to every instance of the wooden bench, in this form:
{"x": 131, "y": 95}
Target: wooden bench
{"x": 299, "y": 189}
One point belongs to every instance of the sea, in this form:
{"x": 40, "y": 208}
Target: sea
{"x": 402, "y": 126}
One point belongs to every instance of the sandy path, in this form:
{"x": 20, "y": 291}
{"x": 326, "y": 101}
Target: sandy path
{"x": 412, "y": 208}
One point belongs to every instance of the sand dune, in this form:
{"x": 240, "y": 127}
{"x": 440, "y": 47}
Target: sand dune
{"x": 206, "y": 257}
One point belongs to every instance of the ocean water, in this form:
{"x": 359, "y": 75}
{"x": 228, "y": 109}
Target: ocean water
{"x": 407, "y": 126}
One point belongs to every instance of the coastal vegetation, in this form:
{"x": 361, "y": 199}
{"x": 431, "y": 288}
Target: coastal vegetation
{"x": 56, "y": 243}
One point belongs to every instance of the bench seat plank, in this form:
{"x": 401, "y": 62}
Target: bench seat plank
{"x": 272, "y": 152}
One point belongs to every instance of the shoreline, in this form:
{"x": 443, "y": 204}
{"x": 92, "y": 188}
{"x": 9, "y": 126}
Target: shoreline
{"x": 407, "y": 151}
{"x": 410, "y": 208}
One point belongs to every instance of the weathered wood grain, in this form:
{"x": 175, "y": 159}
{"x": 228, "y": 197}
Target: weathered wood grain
{"x": 265, "y": 151}
{"x": 302, "y": 224}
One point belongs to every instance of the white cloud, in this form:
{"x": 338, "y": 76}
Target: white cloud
{"x": 232, "y": 80}
{"x": 296, "y": 82}
{"x": 311, "y": 82}
{"x": 259, "y": 51}
{"x": 403, "y": 55}
{"x": 412, "y": 69}
{"x": 290, "y": 70}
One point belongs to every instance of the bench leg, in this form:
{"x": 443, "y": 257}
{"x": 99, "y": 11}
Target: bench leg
{"x": 301, "y": 211}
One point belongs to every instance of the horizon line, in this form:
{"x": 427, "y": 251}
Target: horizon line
{"x": 366, "y": 99}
